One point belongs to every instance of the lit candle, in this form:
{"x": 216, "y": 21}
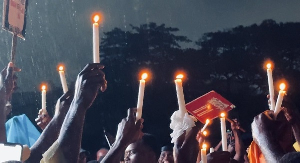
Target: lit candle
{"x": 44, "y": 97}
{"x": 223, "y": 132}
{"x": 205, "y": 133}
{"x": 271, "y": 86}
{"x": 203, "y": 153}
{"x": 279, "y": 98}
{"x": 141, "y": 96}
{"x": 204, "y": 127}
{"x": 63, "y": 78}
{"x": 96, "y": 55}
{"x": 180, "y": 95}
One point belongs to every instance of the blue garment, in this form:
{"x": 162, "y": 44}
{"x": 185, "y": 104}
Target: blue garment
{"x": 19, "y": 129}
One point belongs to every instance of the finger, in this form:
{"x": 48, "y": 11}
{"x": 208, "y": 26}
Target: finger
{"x": 93, "y": 73}
{"x": 131, "y": 114}
{"x": 91, "y": 66}
{"x": 139, "y": 124}
{"x": 103, "y": 86}
{"x": 16, "y": 69}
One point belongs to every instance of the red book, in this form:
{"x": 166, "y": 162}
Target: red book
{"x": 209, "y": 106}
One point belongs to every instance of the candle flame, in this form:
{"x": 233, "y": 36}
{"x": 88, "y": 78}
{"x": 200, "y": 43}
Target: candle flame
{"x": 43, "y": 87}
{"x": 205, "y": 133}
{"x": 282, "y": 86}
{"x": 207, "y": 121}
{"x": 144, "y": 76}
{"x": 96, "y": 18}
{"x": 61, "y": 68}
{"x": 204, "y": 146}
{"x": 269, "y": 65}
{"x": 223, "y": 115}
{"x": 179, "y": 76}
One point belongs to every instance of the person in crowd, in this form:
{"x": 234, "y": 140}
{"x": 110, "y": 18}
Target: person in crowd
{"x": 101, "y": 153}
{"x": 166, "y": 155}
{"x": 7, "y": 86}
{"x": 129, "y": 131}
{"x": 83, "y": 156}
{"x": 50, "y": 129}
{"x": 67, "y": 146}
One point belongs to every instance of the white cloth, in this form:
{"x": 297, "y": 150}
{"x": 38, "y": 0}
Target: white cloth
{"x": 180, "y": 124}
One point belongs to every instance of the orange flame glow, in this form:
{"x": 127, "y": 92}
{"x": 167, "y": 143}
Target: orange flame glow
{"x": 205, "y": 133}
{"x": 43, "y": 87}
{"x": 204, "y": 146}
{"x": 179, "y": 76}
{"x": 269, "y": 65}
{"x": 96, "y": 18}
{"x": 61, "y": 68}
{"x": 144, "y": 76}
{"x": 223, "y": 114}
{"x": 282, "y": 86}
{"x": 207, "y": 121}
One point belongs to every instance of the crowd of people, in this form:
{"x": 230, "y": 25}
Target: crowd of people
{"x": 274, "y": 136}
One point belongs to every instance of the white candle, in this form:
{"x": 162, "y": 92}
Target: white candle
{"x": 63, "y": 79}
{"x": 206, "y": 124}
{"x": 180, "y": 95}
{"x": 271, "y": 86}
{"x": 203, "y": 154}
{"x": 279, "y": 98}
{"x": 96, "y": 55}
{"x": 141, "y": 96}
{"x": 223, "y": 132}
{"x": 211, "y": 150}
{"x": 44, "y": 97}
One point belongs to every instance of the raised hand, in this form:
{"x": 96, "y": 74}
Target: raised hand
{"x": 88, "y": 82}
{"x": 8, "y": 80}
{"x": 43, "y": 119}
{"x": 130, "y": 131}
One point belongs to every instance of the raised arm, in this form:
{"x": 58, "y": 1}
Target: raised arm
{"x": 128, "y": 132}
{"x": 239, "y": 145}
{"x": 263, "y": 134}
{"x": 88, "y": 82}
{"x": 186, "y": 148}
{"x": 51, "y": 131}
{"x": 7, "y": 85}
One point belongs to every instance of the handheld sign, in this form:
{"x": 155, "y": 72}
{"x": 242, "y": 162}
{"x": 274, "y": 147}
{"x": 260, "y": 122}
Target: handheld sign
{"x": 208, "y": 106}
{"x": 14, "y": 17}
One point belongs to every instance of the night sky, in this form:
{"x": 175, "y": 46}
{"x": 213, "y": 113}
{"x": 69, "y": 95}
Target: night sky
{"x": 61, "y": 31}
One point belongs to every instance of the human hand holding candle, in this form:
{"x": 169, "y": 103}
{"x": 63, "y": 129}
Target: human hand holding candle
{"x": 96, "y": 55}
{"x": 44, "y": 97}
{"x": 279, "y": 98}
{"x": 180, "y": 95}
{"x": 141, "y": 96}
{"x": 63, "y": 78}
{"x": 223, "y": 132}
{"x": 271, "y": 86}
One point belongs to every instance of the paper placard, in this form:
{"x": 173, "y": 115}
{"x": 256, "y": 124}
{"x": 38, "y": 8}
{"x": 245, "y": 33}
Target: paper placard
{"x": 14, "y": 16}
{"x": 208, "y": 106}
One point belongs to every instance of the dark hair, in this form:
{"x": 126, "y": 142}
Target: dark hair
{"x": 167, "y": 148}
{"x": 292, "y": 157}
{"x": 151, "y": 142}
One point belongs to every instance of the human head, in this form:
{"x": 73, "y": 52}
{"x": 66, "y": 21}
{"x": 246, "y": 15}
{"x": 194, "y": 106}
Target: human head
{"x": 101, "y": 153}
{"x": 83, "y": 155}
{"x": 144, "y": 150}
{"x": 166, "y": 155}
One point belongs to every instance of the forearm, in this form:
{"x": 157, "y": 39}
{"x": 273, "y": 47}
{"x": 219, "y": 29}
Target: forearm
{"x": 115, "y": 154}
{"x": 47, "y": 138}
{"x": 2, "y": 120}
{"x": 270, "y": 148}
{"x": 71, "y": 132}
{"x": 239, "y": 146}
